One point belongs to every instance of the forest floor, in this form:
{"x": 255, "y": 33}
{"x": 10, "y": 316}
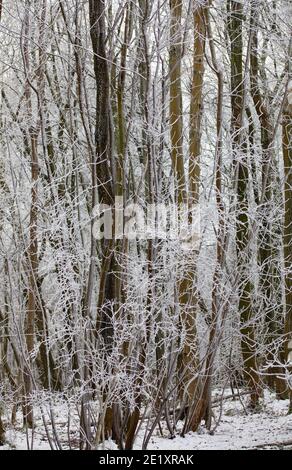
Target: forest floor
{"x": 238, "y": 428}
{"x": 269, "y": 428}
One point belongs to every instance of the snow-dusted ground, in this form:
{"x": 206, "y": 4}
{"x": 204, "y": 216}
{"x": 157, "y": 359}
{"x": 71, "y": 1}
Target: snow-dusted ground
{"x": 237, "y": 429}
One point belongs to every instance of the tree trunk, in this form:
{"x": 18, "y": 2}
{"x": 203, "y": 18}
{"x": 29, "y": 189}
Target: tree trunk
{"x": 105, "y": 172}
{"x": 188, "y": 299}
{"x": 287, "y": 241}
{"x": 241, "y": 179}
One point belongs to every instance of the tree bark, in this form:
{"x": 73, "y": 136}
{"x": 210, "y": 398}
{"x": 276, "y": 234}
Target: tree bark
{"x": 188, "y": 299}
{"x": 287, "y": 238}
{"x": 241, "y": 175}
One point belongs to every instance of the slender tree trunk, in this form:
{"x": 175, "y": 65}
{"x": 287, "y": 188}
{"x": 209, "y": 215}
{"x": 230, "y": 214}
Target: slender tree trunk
{"x": 190, "y": 354}
{"x": 287, "y": 155}
{"x": 202, "y": 407}
{"x": 2, "y": 432}
{"x": 105, "y": 175}
{"x": 175, "y": 99}
{"x": 265, "y": 210}
{"x": 29, "y": 323}
{"x": 241, "y": 178}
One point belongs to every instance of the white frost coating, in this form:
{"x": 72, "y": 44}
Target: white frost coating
{"x": 236, "y": 430}
{"x": 290, "y": 92}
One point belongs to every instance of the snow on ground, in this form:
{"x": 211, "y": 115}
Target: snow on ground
{"x": 238, "y": 429}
